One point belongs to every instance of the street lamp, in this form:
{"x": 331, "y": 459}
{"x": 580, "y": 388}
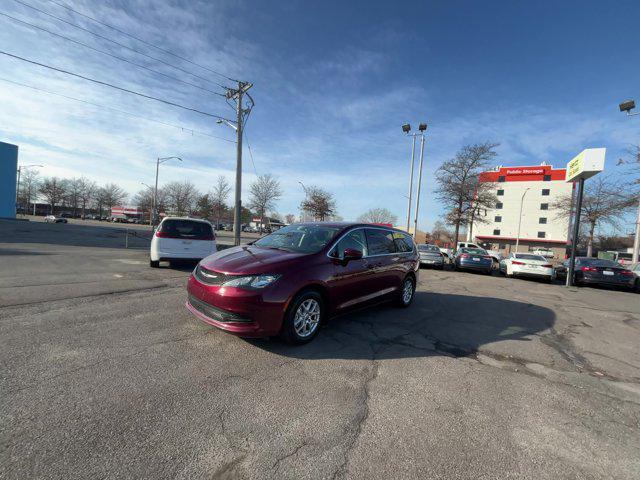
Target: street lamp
{"x": 406, "y": 128}
{"x": 421, "y": 128}
{"x": 520, "y": 218}
{"x": 627, "y": 106}
{"x": 18, "y": 183}
{"x": 155, "y": 191}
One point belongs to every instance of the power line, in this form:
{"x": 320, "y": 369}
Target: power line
{"x": 141, "y": 40}
{"x": 123, "y": 112}
{"x": 167, "y": 102}
{"x": 117, "y": 43}
{"x": 109, "y": 54}
{"x": 250, "y": 153}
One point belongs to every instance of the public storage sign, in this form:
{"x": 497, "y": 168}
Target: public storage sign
{"x": 586, "y": 164}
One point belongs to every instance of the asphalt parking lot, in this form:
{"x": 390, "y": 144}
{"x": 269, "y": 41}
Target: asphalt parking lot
{"x": 105, "y": 374}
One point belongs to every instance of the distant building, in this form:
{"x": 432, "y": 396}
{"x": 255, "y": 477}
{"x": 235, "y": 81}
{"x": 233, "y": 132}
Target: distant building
{"x": 126, "y": 213}
{"x": 8, "y": 173}
{"x": 541, "y": 226}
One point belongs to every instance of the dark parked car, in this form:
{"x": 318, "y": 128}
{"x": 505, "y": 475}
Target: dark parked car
{"x": 431, "y": 255}
{"x": 288, "y": 282}
{"x": 473, "y": 259}
{"x": 595, "y": 271}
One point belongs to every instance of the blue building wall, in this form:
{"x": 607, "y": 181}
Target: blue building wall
{"x": 8, "y": 171}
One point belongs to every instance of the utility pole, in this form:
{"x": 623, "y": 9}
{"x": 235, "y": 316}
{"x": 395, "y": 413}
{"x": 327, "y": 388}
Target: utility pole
{"x": 237, "y": 211}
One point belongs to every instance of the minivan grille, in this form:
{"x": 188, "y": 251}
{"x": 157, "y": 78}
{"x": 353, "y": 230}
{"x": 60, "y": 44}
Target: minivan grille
{"x": 214, "y": 312}
{"x": 211, "y": 277}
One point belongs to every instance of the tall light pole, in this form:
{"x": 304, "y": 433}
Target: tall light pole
{"x": 627, "y": 107}
{"x": 406, "y": 128}
{"x": 520, "y": 218}
{"x": 18, "y": 183}
{"x": 422, "y": 128}
{"x": 155, "y": 190}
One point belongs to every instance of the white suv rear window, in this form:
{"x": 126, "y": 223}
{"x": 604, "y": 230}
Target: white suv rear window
{"x": 187, "y": 229}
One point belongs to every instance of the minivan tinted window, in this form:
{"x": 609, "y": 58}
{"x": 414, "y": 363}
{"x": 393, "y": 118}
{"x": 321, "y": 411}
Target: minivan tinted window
{"x": 380, "y": 241}
{"x": 355, "y": 240}
{"x": 186, "y": 229}
{"x": 404, "y": 242}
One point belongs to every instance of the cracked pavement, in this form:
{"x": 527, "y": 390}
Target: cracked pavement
{"x": 106, "y": 375}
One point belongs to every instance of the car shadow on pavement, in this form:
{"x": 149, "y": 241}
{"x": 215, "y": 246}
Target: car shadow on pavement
{"x": 435, "y": 324}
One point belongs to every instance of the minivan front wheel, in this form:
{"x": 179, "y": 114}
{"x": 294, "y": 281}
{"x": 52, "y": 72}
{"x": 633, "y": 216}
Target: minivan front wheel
{"x": 302, "y": 320}
{"x": 406, "y": 292}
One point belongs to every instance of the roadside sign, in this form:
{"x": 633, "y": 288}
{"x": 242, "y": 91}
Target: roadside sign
{"x": 586, "y": 164}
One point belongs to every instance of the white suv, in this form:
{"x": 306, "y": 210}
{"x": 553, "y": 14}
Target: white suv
{"x": 179, "y": 238}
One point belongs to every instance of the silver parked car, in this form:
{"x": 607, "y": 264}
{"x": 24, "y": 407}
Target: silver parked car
{"x": 431, "y": 255}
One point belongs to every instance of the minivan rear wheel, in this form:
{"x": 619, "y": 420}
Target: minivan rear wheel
{"x": 302, "y": 320}
{"x": 406, "y": 292}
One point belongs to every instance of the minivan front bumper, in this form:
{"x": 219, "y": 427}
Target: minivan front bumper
{"x": 245, "y": 313}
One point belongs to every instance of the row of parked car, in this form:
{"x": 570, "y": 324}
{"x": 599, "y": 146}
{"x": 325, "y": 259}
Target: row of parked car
{"x": 587, "y": 271}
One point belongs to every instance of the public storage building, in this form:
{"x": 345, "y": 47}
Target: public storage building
{"x": 542, "y": 226}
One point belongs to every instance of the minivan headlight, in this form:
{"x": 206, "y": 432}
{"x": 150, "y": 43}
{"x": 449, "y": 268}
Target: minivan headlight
{"x": 251, "y": 281}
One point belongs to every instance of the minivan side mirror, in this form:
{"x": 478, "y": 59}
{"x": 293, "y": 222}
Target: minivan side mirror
{"x": 351, "y": 254}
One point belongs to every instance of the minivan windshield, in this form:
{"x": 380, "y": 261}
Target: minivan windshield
{"x": 299, "y": 238}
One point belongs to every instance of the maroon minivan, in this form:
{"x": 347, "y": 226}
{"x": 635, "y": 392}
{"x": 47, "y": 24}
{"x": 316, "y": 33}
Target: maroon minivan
{"x": 288, "y": 282}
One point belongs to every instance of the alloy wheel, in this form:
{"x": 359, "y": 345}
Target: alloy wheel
{"x": 407, "y": 291}
{"x": 307, "y": 318}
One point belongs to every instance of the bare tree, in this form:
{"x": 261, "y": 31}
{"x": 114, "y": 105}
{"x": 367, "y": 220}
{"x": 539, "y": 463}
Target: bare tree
{"x": 440, "y": 233}
{"x": 319, "y": 203}
{"x": 144, "y": 200}
{"x": 113, "y": 195}
{"x": 378, "y": 215}
{"x": 219, "y": 194}
{"x": 458, "y": 187}
{"x": 289, "y": 218}
{"x": 265, "y": 191}
{"x": 53, "y": 190}
{"x": 204, "y": 206}
{"x": 88, "y": 190}
{"x": 74, "y": 193}
{"x": 181, "y": 197}
{"x": 29, "y": 183}
{"x": 604, "y": 201}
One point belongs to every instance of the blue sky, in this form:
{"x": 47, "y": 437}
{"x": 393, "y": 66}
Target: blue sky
{"x": 333, "y": 83}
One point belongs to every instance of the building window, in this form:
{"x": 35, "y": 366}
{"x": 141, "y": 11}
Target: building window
{"x": 542, "y": 235}
{"x": 496, "y": 232}
{"x": 542, "y": 220}
{"x": 546, "y": 178}
{"x": 500, "y": 193}
{"x": 499, "y": 205}
{"x": 545, "y": 192}
{"x": 544, "y": 206}
{"x": 498, "y": 219}
{"x": 501, "y": 178}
